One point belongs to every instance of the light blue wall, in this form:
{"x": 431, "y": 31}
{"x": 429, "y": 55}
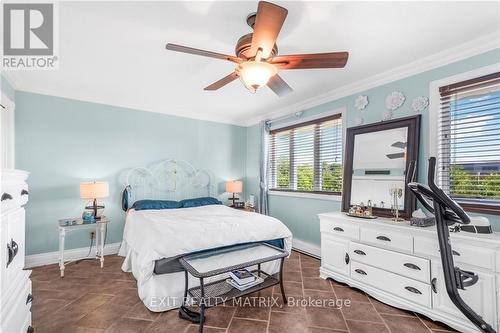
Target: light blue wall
{"x": 7, "y": 88}
{"x": 62, "y": 142}
{"x": 252, "y": 161}
{"x": 300, "y": 215}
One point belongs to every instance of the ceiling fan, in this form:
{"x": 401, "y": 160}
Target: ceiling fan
{"x": 257, "y": 56}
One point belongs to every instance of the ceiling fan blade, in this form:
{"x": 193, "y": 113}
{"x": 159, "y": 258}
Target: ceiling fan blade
{"x": 222, "y": 82}
{"x": 279, "y": 86}
{"x": 314, "y": 60}
{"x": 191, "y": 50}
{"x": 268, "y": 23}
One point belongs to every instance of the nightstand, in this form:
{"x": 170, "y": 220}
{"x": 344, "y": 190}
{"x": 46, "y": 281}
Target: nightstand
{"x": 70, "y": 225}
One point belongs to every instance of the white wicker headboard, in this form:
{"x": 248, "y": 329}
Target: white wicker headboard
{"x": 166, "y": 180}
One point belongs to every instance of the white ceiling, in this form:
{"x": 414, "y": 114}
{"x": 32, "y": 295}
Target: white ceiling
{"x": 114, "y": 52}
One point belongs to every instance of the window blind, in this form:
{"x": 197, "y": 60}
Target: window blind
{"x": 469, "y": 140}
{"x": 307, "y": 157}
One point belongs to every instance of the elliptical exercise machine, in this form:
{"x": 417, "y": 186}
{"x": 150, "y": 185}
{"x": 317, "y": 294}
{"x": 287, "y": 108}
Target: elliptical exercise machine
{"x": 447, "y": 212}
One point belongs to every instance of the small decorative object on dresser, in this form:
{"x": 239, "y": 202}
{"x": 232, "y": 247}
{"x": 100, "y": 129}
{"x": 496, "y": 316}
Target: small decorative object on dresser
{"x": 73, "y": 224}
{"x": 94, "y": 190}
{"x": 234, "y": 186}
{"x": 396, "y": 194}
{"x": 15, "y": 284}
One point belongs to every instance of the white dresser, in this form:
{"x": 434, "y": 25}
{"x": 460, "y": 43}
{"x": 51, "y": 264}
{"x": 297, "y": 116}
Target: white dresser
{"x": 15, "y": 284}
{"x": 400, "y": 265}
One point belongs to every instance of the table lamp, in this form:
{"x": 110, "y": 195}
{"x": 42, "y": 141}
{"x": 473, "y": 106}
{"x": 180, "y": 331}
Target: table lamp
{"x": 234, "y": 186}
{"x": 94, "y": 190}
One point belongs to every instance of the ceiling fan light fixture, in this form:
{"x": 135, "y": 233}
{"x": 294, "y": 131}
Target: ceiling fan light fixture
{"x": 255, "y": 74}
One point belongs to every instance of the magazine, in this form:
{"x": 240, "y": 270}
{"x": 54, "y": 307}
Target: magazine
{"x": 242, "y": 287}
{"x": 242, "y": 276}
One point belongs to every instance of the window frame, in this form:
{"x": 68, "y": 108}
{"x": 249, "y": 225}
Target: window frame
{"x": 329, "y": 195}
{"x": 469, "y": 205}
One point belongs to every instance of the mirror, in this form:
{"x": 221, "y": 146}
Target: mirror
{"x": 376, "y": 162}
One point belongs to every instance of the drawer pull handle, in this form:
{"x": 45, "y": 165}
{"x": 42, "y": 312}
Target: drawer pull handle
{"x": 6, "y": 196}
{"x": 12, "y": 249}
{"x": 360, "y": 271}
{"x": 24, "y": 192}
{"x": 384, "y": 238}
{"x": 339, "y": 229}
{"x": 412, "y": 266}
{"x": 413, "y": 290}
{"x": 361, "y": 253}
{"x": 29, "y": 299}
{"x": 433, "y": 285}
{"x": 347, "y": 259}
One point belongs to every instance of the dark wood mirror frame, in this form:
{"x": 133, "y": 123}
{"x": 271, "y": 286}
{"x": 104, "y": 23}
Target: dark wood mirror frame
{"x": 413, "y": 125}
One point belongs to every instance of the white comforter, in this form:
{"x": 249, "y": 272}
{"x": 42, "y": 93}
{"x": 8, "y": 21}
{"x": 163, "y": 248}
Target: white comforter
{"x": 150, "y": 235}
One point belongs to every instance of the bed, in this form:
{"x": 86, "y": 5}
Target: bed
{"x": 154, "y": 239}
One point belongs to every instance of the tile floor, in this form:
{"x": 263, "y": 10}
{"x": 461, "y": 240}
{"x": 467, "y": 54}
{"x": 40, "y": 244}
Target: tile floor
{"x": 91, "y": 300}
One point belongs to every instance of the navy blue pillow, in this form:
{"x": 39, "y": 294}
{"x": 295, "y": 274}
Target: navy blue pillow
{"x": 197, "y": 202}
{"x": 156, "y": 204}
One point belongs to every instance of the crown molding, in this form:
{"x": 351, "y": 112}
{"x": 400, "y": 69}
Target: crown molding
{"x": 451, "y": 55}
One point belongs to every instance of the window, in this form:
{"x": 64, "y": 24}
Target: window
{"x": 307, "y": 157}
{"x": 469, "y": 142}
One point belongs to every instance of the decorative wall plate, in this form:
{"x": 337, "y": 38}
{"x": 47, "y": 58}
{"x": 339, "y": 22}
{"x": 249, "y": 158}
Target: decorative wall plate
{"x": 394, "y": 100}
{"x": 359, "y": 121}
{"x": 361, "y": 102}
{"x": 420, "y": 103}
{"x": 387, "y": 115}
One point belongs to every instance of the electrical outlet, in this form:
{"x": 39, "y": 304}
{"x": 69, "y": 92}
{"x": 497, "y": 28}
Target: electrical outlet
{"x": 92, "y": 234}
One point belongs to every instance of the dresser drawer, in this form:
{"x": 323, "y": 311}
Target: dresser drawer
{"x": 385, "y": 237}
{"x": 403, "y": 264}
{"x": 12, "y": 247}
{"x": 409, "y": 289}
{"x": 462, "y": 253}
{"x": 17, "y": 313}
{"x": 14, "y": 194}
{"x": 340, "y": 228}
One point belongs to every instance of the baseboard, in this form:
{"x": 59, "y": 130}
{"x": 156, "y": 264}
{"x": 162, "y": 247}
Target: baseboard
{"x": 48, "y": 258}
{"x": 307, "y": 248}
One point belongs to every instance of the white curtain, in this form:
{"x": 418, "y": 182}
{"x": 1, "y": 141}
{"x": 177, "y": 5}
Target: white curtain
{"x": 264, "y": 160}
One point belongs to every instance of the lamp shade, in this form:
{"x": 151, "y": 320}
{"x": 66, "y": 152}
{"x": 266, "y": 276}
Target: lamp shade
{"x": 93, "y": 190}
{"x": 234, "y": 186}
{"x": 256, "y": 74}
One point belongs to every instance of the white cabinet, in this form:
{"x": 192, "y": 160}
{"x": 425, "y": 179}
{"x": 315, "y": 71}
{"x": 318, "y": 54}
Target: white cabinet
{"x": 400, "y": 265}
{"x": 481, "y": 297}
{"x": 15, "y": 285}
{"x": 334, "y": 254}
